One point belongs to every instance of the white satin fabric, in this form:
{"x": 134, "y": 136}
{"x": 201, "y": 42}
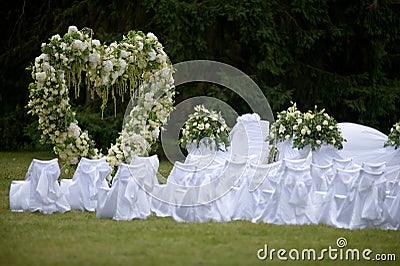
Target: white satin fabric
{"x": 130, "y": 194}
{"x": 81, "y": 191}
{"x": 40, "y": 190}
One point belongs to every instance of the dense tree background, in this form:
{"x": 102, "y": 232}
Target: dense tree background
{"x": 343, "y": 55}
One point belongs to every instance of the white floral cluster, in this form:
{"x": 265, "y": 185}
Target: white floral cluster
{"x": 146, "y": 119}
{"x": 394, "y": 136}
{"x": 204, "y": 123}
{"x": 118, "y": 67}
{"x": 313, "y": 128}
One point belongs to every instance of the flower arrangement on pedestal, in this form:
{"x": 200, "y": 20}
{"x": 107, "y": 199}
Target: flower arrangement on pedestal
{"x": 316, "y": 128}
{"x": 204, "y": 123}
{"x": 312, "y": 129}
{"x": 394, "y": 136}
{"x": 137, "y": 64}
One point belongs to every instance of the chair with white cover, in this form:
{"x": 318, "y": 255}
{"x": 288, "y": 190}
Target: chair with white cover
{"x": 198, "y": 181}
{"x": 392, "y": 202}
{"x": 374, "y": 167}
{"x": 294, "y": 197}
{"x": 339, "y": 200}
{"x": 249, "y": 138}
{"x": 82, "y": 190}
{"x": 128, "y": 198}
{"x": 40, "y": 190}
{"x": 151, "y": 162}
{"x": 322, "y": 176}
{"x": 225, "y": 192}
{"x": 369, "y": 206}
{"x": 344, "y": 163}
{"x": 264, "y": 185}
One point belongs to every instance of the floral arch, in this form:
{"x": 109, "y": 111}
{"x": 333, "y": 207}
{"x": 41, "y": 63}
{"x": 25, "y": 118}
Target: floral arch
{"x": 137, "y": 64}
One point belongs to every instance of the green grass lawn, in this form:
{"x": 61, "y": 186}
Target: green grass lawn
{"x": 80, "y": 238}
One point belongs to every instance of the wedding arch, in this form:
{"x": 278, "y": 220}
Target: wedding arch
{"x": 137, "y": 64}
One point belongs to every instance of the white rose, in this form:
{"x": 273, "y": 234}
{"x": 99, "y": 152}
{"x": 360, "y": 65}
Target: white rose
{"x": 140, "y": 46}
{"x": 161, "y": 58}
{"x": 303, "y": 131}
{"x": 318, "y": 127}
{"x": 96, "y": 43}
{"x": 151, "y": 36}
{"x": 78, "y": 45}
{"x": 41, "y": 77}
{"x": 152, "y": 55}
{"x": 72, "y": 29}
{"x": 318, "y": 142}
{"x": 325, "y": 123}
{"x": 107, "y": 65}
{"x": 94, "y": 58}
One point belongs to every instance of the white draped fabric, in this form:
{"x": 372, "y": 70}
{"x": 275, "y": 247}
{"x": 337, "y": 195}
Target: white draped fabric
{"x": 82, "y": 190}
{"x": 40, "y": 190}
{"x": 357, "y": 187}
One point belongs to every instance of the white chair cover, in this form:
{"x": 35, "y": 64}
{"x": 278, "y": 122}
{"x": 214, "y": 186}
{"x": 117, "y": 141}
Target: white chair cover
{"x": 293, "y": 199}
{"x": 338, "y": 203}
{"x": 249, "y": 138}
{"x": 40, "y": 190}
{"x": 81, "y": 191}
{"x": 322, "y": 176}
{"x": 128, "y": 197}
{"x": 226, "y": 200}
{"x": 369, "y": 206}
{"x": 264, "y": 185}
{"x": 345, "y": 163}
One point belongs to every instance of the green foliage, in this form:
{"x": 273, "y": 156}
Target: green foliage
{"x": 18, "y": 131}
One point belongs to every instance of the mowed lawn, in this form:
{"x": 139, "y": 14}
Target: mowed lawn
{"x": 79, "y": 238}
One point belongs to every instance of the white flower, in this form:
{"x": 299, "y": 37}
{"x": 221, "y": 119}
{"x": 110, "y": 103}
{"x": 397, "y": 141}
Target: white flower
{"x": 41, "y": 77}
{"x": 152, "y": 55}
{"x": 281, "y": 129}
{"x": 287, "y": 137}
{"x": 96, "y": 43}
{"x": 94, "y": 58}
{"x": 161, "y": 58}
{"x": 78, "y": 45}
{"x": 319, "y": 142}
{"x": 72, "y": 29}
{"x": 303, "y": 131}
{"x": 140, "y": 46}
{"x": 325, "y": 123}
{"x": 318, "y": 127}
{"x": 108, "y": 66}
{"x": 151, "y": 36}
